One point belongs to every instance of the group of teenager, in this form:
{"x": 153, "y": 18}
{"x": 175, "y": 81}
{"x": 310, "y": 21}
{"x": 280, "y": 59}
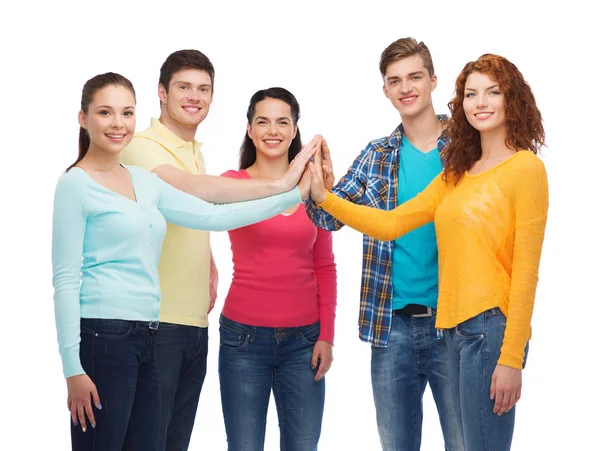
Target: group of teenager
{"x": 453, "y": 211}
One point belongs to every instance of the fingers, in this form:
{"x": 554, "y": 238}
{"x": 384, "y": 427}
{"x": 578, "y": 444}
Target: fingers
{"x": 213, "y": 298}
{"x": 324, "y": 365}
{"x": 74, "y": 417}
{"x": 90, "y": 414}
{"x": 81, "y": 417}
{"x": 326, "y": 155}
{"x": 315, "y": 358}
{"x": 96, "y": 399}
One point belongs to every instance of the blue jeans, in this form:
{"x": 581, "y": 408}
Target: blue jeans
{"x": 120, "y": 358}
{"x": 255, "y": 360}
{"x": 182, "y": 352}
{"x": 474, "y": 349}
{"x": 414, "y": 356}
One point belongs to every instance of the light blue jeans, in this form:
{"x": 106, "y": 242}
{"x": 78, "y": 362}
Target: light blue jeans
{"x": 253, "y": 361}
{"x": 473, "y": 352}
{"x": 414, "y": 356}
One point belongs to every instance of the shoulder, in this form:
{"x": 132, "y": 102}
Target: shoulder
{"x": 529, "y": 163}
{"x": 71, "y": 179}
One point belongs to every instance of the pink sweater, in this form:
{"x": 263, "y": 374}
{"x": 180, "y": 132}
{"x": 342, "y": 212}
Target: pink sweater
{"x": 284, "y": 274}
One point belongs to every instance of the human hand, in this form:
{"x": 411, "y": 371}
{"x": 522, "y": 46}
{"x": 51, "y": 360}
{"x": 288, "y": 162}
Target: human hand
{"x": 505, "y": 388}
{"x": 304, "y": 184}
{"x": 322, "y": 357}
{"x": 318, "y": 193}
{"x": 298, "y": 164}
{"x": 326, "y": 165}
{"x": 213, "y": 283}
{"x": 81, "y": 393}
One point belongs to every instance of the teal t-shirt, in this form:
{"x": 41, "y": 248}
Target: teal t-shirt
{"x": 415, "y": 257}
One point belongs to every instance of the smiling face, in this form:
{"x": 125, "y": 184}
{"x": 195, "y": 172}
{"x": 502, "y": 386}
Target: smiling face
{"x": 187, "y": 101}
{"x": 408, "y": 85}
{"x": 110, "y": 119}
{"x": 484, "y": 103}
{"x": 272, "y": 129}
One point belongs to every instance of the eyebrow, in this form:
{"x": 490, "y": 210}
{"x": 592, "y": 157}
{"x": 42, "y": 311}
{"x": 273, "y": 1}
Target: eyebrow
{"x": 419, "y": 72}
{"x": 279, "y": 118}
{"x": 108, "y": 107}
{"x": 487, "y": 89}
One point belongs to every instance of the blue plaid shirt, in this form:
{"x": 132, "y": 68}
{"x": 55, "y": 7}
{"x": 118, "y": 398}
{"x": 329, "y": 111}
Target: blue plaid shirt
{"x": 372, "y": 180}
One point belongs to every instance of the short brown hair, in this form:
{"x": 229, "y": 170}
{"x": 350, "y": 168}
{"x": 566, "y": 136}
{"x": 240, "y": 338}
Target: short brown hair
{"x": 403, "y": 48}
{"x": 185, "y": 59}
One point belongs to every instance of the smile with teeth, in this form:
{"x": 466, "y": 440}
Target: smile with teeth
{"x": 191, "y": 109}
{"x": 115, "y": 136}
{"x": 483, "y": 115}
{"x": 272, "y": 142}
{"x": 408, "y": 99}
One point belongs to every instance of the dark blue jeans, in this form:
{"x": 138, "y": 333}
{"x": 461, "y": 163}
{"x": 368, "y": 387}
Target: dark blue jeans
{"x": 182, "y": 352}
{"x": 474, "y": 349}
{"x": 415, "y": 356}
{"x": 255, "y": 360}
{"x": 120, "y": 358}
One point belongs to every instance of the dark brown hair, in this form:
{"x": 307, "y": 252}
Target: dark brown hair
{"x": 523, "y": 118}
{"x": 90, "y": 88}
{"x": 248, "y": 149}
{"x": 185, "y": 59}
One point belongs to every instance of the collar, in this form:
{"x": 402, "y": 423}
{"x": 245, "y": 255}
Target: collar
{"x": 166, "y": 134}
{"x": 395, "y": 139}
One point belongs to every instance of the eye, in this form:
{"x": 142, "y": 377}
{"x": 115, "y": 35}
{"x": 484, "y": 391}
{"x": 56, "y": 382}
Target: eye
{"x": 104, "y": 112}
{"x": 393, "y": 82}
{"x": 205, "y": 89}
{"x": 261, "y": 122}
{"x": 469, "y": 95}
{"x": 128, "y": 113}
{"x": 496, "y": 93}
{"x": 284, "y": 123}
{"x": 416, "y": 78}
{"x": 183, "y": 87}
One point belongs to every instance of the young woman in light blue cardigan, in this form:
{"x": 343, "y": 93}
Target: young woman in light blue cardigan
{"x": 108, "y": 227}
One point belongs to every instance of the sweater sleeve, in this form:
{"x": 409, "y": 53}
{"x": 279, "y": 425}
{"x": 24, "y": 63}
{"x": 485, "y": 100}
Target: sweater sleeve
{"x": 531, "y": 208}
{"x": 326, "y": 275}
{"x": 68, "y": 232}
{"x": 388, "y": 225}
{"x": 185, "y": 210}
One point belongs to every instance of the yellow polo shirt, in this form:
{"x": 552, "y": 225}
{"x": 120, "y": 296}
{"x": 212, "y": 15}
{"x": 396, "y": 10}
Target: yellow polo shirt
{"x": 184, "y": 266}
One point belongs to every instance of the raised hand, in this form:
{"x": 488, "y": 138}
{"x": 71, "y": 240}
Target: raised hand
{"x": 318, "y": 192}
{"x": 304, "y": 184}
{"x": 298, "y": 164}
{"x": 326, "y": 165}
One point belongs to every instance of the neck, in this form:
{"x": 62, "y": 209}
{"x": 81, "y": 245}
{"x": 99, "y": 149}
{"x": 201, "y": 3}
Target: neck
{"x": 269, "y": 168}
{"x": 100, "y": 160}
{"x": 423, "y": 129}
{"x": 493, "y": 144}
{"x": 185, "y": 132}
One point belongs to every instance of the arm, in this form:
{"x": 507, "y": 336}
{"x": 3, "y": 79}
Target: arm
{"x": 531, "y": 208}
{"x": 224, "y": 190}
{"x": 214, "y": 282}
{"x": 185, "y": 210}
{"x": 326, "y": 275}
{"x": 381, "y": 224}
{"x": 350, "y": 187}
{"x": 68, "y": 232}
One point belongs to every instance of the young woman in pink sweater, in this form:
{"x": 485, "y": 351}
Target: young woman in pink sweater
{"x": 277, "y": 324}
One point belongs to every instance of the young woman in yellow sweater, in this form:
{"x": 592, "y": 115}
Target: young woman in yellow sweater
{"x": 489, "y": 207}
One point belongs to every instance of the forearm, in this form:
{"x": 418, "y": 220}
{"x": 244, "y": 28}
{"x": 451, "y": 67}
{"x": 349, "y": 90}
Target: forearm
{"x": 222, "y": 190}
{"x": 320, "y": 217}
{"x": 380, "y": 224}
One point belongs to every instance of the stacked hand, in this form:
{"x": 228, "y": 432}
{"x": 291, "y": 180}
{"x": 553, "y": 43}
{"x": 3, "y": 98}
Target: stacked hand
{"x": 297, "y": 168}
{"x": 318, "y": 177}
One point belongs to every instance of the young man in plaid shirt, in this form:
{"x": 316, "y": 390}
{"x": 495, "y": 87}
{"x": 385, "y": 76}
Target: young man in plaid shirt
{"x": 400, "y": 278}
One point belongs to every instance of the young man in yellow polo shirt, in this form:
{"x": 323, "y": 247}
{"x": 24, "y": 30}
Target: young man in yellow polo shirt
{"x": 188, "y": 275}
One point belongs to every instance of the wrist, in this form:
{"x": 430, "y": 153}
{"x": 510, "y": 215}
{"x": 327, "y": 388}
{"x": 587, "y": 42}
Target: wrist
{"x": 279, "y": 186}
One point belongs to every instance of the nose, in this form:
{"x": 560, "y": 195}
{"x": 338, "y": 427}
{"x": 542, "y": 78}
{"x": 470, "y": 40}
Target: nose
{"x": 405, "y": 86}
{"x": 194, "y": 96}
{"x": 272, "y": 129}
{"x": 482, "y": 100}
{"x": 117, "y": 121}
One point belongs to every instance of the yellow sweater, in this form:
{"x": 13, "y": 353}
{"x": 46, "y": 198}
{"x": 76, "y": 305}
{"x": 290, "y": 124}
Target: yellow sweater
{"x": 490, "y": 230}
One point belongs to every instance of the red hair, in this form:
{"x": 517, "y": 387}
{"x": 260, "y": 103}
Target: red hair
{"x": 523, "y": 118}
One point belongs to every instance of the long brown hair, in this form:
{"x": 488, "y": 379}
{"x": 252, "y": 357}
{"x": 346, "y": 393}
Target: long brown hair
{"x": 524, "y": 120}
{"x": 90, "y": 88}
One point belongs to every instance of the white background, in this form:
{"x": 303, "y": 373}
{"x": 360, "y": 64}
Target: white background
{"x": 328, "y": 57}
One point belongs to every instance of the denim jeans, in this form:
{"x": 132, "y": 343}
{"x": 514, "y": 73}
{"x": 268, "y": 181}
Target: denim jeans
{"x": 182, "y": 352}
{"x": 120, "y": 358}
{"x": 474, "y": 349}
{"x": 255, "y": 360}
{"x": 414, "y": 356}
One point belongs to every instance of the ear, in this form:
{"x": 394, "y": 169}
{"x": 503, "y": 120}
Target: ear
{"x": 433, "y": 82}
{"x": 162, "y": 93}
{"x": 82, "y": 119}
{"x": 385, "y": 90}
{"x": 295, "y": 132}
{"x": 249, "y": 130}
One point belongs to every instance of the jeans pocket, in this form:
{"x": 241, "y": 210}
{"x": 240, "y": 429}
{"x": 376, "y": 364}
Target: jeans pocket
{"x": 233, "y": 338}
{"x": 111, "y": 329}
{"x": 309, "y": 334}
{"x": 472, "y": 329}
